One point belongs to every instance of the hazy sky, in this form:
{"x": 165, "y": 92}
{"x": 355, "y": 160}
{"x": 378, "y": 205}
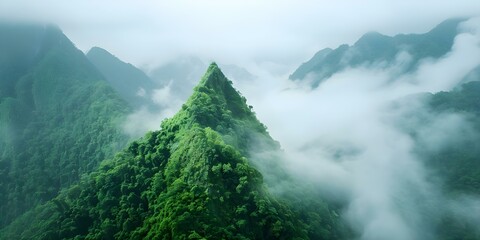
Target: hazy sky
{"x": 283, "y": 33}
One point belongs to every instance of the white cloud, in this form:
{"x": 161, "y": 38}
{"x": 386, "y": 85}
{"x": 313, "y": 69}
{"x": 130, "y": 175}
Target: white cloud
{"x": 380, "y": 174}
{"x": 344, "y": 137}
{"x": 286, "y": 32}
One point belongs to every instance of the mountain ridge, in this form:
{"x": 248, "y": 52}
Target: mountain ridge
{"x": 130, "y": 82}
{"x": 374, "y": 47}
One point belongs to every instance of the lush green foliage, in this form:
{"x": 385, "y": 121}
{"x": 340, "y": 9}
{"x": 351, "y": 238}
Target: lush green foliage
{"x": 193, "y": 179}
{"x": 58, "y": 120}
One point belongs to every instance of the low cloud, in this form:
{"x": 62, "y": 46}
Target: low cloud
{"x": 352, "y": 136}
{"x": 238, "y": 31}
{"x": 345, "y": 136}
{"x": 148, "y": 118}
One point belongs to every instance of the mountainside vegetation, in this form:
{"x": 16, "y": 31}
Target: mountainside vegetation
{"x": 212, "y": 171}
{"x": 58, "y": 117}
{"x": 193, "y": 179}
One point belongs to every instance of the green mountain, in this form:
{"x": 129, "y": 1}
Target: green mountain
{"x": 193, "y": 179}
{"x": 375, "y": 48}
{"x": 132, "y": 83}
{"x": 58, "y": 116}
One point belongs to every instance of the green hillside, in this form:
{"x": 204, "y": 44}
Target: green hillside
{"x": 193, "y": 179}
{"x": 58, "y": 116}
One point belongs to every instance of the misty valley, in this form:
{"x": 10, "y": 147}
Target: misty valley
{"x": 376, "y": 139}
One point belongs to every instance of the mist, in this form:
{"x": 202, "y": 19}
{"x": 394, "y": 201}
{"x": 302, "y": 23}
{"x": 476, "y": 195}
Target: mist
{"x": 351, "y": 138}
{"x": 276, "y": 35}
{"x": 348, "y": 136}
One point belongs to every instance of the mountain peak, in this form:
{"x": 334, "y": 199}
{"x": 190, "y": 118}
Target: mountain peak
{"x": 215, "y": 103}
{"x": 220, "y": 90}
{"x": 213, "y": 65}
{"x": 124, "y": 77}
{"x": 98, "y": 50}
{"x": 214, "y": 78}
{"x": 372, "y": 38}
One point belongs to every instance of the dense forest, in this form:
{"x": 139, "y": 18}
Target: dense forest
{"x": 68, "y": 170}
{"x": 59, "y": 117}
{"x": 191, "y": 180}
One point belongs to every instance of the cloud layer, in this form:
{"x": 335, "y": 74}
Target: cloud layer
{"x": 284, "y": 32}
{"x": 344, "y": 136}
{"x": 341, "y": 136}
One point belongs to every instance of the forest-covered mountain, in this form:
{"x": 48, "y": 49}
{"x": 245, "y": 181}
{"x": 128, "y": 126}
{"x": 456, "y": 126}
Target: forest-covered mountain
{"x": 212, "y": 171}
{"x": 58, "y": 116}
{"x": 131, "y": 83}
{"x": 375, "y": 48}
{"x": 193, "y": 179}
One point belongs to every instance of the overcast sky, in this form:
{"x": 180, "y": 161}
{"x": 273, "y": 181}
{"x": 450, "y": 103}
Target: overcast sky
{"x": 269, "y": 32}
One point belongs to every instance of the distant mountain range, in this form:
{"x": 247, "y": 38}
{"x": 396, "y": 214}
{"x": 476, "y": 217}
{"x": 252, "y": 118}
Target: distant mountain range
{"x": 381, "y": 51}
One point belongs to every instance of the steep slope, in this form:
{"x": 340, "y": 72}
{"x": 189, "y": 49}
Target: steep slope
{"x": 133, "y": 85}
{"x": 193, "y": 179}
{"x": 375, "y": 48}
{"x": 58, "y": 116}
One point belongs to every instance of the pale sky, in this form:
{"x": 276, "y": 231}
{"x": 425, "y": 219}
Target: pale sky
{"x": 276, "y": 32}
